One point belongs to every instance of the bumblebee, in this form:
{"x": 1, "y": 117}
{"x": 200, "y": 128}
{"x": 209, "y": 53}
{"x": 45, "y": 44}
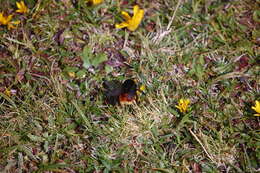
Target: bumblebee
{"x": 116, "y": 92}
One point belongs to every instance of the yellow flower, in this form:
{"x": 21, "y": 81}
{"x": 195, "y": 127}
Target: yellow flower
{"x": 21, "y": 7}
{"x": 8, "y": 92}
{"x": 183, "y": 105}
{"x": 11, "y": 24}
{"x": 95, "y": 2}
{"x": 131, "y": 22}
{"x": 140, "y": 90}
{"x": 6, "y": 20}
{"x": 72, "y": 74}
{"x": 256, "y": 108}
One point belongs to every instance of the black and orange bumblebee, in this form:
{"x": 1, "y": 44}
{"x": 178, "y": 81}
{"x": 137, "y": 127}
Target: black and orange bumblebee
{"x": 116, "y": 92}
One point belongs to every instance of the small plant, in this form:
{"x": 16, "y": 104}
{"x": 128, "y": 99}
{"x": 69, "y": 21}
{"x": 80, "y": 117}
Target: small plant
{"x": 90, "y": 59}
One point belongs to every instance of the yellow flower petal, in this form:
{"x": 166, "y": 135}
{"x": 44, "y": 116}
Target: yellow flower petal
{"x": 7, "y": 92}
{"x": 16, "y": 22}
{"x": 95, "y": 2}
{"x": 142, "y": 88}
{"x": 18, "y": 5}
{"x": 125, "y": 15}
{"x": 132, "y": 23}
{"x": 1, "y": 18}
{"x": 21, "y": 7}
{"x": 121, "y": 25}
{"x": 5, "y": 20}
{"x": 9, "y": 18}
{"x": 72, "y": 74}
{"x": 136, "y": 20}
{"x": 11, "y": 25}
{"x": 183, "y": 105}
{"x": 256, "y": 108}
{"x": 136, "y": 9}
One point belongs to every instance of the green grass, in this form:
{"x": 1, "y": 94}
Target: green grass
{"x": 55, "y": 119}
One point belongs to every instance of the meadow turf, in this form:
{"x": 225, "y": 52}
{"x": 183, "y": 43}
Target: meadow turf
{"x": 52, "y": 66}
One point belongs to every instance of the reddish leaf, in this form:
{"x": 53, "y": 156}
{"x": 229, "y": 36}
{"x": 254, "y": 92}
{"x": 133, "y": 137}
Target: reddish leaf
{"x": 196, "y": 168}
{"x": 243, "y": 63}
{"x": 150, "y": 26}
{"x": 124, "y": 2}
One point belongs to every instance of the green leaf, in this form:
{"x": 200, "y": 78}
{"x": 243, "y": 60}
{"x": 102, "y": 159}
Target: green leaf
{"x": 35, "y": 138}
{"x": 71, "y": 69}
{"x": 56, "y": 166}
{"x": 255, "y": 34}
{"x": 256, "y": 16}
{"x": 90, "y": 60}
{"x": 245, "y": 45}
{"x": 108, "y": 68}
{"x": 86, "y": 57}
{"x": 81, "y": 73}
{"x": 99, "y": 59}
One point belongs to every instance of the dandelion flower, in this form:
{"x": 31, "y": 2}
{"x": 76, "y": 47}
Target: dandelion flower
{"x": 131, "y": 23}
{"x": 8, "y": 92}
{"x": 21, "y": 7}
{"x": 95, "y": 2}
{"x": 6, "y": 20}
{"x": 256, "y": 108}
{"x": 183, "y": 105}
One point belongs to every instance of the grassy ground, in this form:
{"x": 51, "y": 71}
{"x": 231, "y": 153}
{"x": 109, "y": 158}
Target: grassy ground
{"x": 53, "y": 118}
